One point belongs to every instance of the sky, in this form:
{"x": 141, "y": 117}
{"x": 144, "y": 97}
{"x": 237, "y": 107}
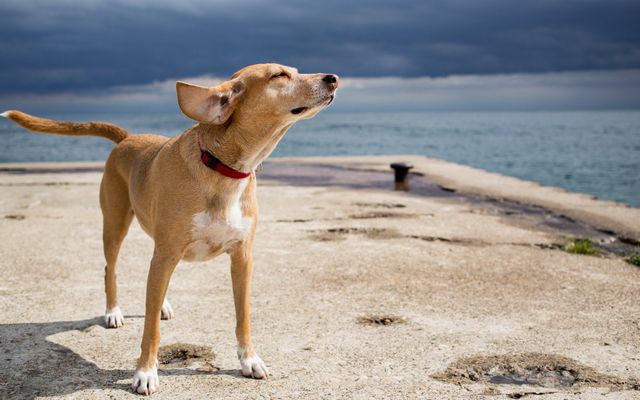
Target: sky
{"x": 393, "y": 55}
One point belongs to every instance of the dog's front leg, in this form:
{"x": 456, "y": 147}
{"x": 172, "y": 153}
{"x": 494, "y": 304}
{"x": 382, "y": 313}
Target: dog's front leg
{"x": 241, "y": 269}
{"x": 145, "y": 380}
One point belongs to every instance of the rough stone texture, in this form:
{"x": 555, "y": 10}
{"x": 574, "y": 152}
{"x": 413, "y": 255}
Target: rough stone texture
{"x": 489, "y": 288}
{"x": 531, "y": 369}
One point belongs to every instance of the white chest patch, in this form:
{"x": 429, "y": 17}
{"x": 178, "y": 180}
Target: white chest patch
{"x": 211, "y": 235}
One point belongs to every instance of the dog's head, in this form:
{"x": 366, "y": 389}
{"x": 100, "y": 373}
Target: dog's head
{"x": 270, "y": 94}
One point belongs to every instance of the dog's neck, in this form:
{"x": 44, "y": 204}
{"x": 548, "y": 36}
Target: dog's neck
{"x": 237, "y": 146}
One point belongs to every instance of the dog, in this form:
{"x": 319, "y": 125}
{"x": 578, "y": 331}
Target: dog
{"x": 195, "y": 194}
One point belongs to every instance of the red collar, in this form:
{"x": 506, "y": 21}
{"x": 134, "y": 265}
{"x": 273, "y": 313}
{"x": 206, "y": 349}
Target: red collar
{"x": 215, "y": 164}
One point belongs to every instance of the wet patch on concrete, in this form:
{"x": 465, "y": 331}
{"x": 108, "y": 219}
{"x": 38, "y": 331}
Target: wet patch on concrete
{"x": 470, "y": 242}
{"x": 534, "y": 217}
{"x": 380, "y": 320}
{"x": 532, "y": 369}
{"x": 337, "y": 234}
{"x": 380, "y": 205}
{"x": 383, "y": 214}
{"x": 326, "y": 237}
{"x": 333, "y": 234}
{"x": 549, "y": 246}
{"x": 447, "y": 189}
{"x": 181, "y": 355}
{"x": 628, "y": 240}
{"x": 295, "y": 221}
{"x": 17, "y": 217}
{"x": 427, "y": 238}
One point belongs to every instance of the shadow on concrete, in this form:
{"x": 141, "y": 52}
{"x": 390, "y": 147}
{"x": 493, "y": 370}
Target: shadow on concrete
{"x": 32, "y": 366}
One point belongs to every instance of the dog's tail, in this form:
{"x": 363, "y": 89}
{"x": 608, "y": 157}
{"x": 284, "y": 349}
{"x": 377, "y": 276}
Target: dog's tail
{"x": 37, "y": 124}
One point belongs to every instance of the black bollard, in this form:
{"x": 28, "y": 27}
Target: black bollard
{"x": 401, "y": 175}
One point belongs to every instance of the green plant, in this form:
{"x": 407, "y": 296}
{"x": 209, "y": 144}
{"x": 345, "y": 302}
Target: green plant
{"x": 581, "y": 246}
{"x": 634, "y": 259}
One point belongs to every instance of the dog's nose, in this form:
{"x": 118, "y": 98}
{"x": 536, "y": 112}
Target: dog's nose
{"x": 331, "y": 81}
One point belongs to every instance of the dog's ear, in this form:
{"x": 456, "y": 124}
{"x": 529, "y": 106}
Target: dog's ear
{"x": 209, "y": 105}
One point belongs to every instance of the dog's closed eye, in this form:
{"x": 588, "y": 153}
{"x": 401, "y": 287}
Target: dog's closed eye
{"x": 280, "y": 75}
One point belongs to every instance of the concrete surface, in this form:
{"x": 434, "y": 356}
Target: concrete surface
{"x": 333, "y": 265}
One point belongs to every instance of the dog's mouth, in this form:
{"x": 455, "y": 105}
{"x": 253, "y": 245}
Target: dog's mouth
{"x": 331, "y": 97}
{"x": 299, "y": 110}
{"x": 324, "y": 102}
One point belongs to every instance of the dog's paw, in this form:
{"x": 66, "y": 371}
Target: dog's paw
{"x": 252, "y": 366}
{"x": 145, "y": 381}
{"x": 113, "y": 317}
{"x": 167, "y": 311}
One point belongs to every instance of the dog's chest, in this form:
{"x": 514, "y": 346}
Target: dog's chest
{"x": 212, "y": 234}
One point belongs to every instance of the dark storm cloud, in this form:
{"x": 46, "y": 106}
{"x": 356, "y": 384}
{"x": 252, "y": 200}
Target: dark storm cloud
{"x": 585, "y": 90}
{"x": 52, "y": 46}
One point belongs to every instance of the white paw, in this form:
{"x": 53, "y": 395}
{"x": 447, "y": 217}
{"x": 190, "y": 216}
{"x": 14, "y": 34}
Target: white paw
{"x": 145, "y": 382}
{"x": 252, "y": 366}
{"x": 167, "y": 311}
{"x": 113, "y": 317}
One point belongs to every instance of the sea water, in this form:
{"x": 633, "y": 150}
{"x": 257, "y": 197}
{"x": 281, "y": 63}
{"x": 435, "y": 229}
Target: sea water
{"x": 594, "y": 152}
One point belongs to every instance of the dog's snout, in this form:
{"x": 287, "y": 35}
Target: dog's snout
{"x": 331, "y": 80}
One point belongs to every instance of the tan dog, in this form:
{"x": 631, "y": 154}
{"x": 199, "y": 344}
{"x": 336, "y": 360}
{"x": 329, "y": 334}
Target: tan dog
{"x": 192, "y": 212}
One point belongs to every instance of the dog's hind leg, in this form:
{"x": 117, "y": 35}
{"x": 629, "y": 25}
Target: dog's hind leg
{"x": 117, "y": 215}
